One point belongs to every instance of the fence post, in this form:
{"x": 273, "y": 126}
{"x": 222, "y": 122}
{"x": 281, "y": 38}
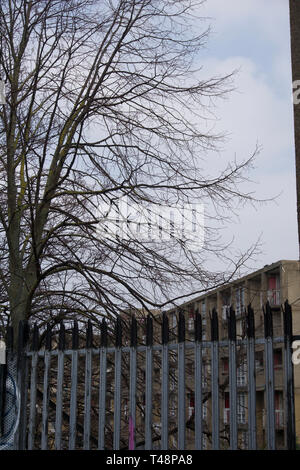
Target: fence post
{"x": 10, "y": 404}
{"x": 232, "y": 379}
{"x": 22, "y": 375}
{"x": 289, "y": 377}
{"x": 198, "y": 382}
{"x": 132, "y": 384}
{"x": 3, "y": 374}
{"x": 149, "y": 365}
{"x": 59, "y": 391}
{"x": 165, "y": 384}
{"x": 215, "y": 380}
{"x": 251, "y": 378}
{"x": 117, "y": 395}
{"x": 33, "y": 384}
{"x": 74, "y": 380}
{"x": 102, "y": 386}
{"x": 181, "y": 381}
{"x": 269, "y": 373}
{"x": 88, "y": 386}
{"x": 46, "y": 389}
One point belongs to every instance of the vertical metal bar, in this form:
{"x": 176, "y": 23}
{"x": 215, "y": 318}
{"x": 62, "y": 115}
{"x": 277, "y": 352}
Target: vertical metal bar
{"x": 3, "y": 368}
{"x": 165, "y": 385}
{"x": 74, "y": 381}
{"x": 102, "y": 386}
{"x": 22, "y": 376}
{"x": 198, "y": 383}
{"x": 269, "y": 373}
{"x": 33, "y": 381}
{"x": 132, "y": 383}
{"x": 232, "y": 379}
{"x": 3, "y": 375}
{"x": 289, "y": 378}
{"x": 10, "y": 360}
{"x": 181, "y": 381}
{"x": 88, "y": 387}
{"x": 59, "y": 390}
{"x": 117, "y": 394}
{"x": 148, "y": 398}
{"x": 215, "y": 381}
{"x": 251, "y": 379}
{"x": 46, "y": 390}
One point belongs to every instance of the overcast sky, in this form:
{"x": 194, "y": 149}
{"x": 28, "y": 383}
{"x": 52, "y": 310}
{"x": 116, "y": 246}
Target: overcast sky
{"x": 253, "y": 36}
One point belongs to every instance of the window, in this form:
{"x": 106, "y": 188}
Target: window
{"x": 226, "y": 301}
{"x": 239, "y": 300}
{"x": 226, "y": 408}
{"x": 225, "y": 366}
{"x": 279, "y": 413}
{"x": 205, "y": 374}
{"x": 191, "y": 404}
{"x": 242, "y": 374}
{"x": 173, "y": 320}
{"x": 274, "y": 289}
{"x": 226, "y": 400}
{"x": 240, "y": 328}
{"x": 273, "y": 282}
{"x": 241, "y": 408}
{"x": 278, "y": 400}
{"x": 191, "y": 322}
{"x": 225, "y": 310}
{"x": 259, "y": 360}
{"x": 277, "y": 358}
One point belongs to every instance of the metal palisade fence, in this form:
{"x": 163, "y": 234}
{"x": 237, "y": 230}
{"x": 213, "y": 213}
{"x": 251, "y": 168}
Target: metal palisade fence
{"x": 141, "y": 384}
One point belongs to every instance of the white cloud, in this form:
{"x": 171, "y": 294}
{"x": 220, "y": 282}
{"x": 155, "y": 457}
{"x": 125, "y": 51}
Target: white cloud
{"x": 269, "y": 16}
{"x": 260, "y": 109}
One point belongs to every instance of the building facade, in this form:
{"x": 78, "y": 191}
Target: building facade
{"x": 274, "y": 283}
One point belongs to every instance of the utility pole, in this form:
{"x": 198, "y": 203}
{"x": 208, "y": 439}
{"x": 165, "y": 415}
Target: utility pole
{"x": 295, "y": 50}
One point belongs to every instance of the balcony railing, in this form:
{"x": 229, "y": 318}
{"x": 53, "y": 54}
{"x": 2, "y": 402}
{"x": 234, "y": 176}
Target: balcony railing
{"x": 274, "y": 296}
{"x": 224, "y": 312}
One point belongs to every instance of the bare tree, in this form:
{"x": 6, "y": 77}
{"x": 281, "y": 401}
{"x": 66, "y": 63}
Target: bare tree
{"x": 102, "y": 102}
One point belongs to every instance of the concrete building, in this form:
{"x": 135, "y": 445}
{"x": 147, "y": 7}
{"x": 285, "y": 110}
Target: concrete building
{"x": 274, "y": 283}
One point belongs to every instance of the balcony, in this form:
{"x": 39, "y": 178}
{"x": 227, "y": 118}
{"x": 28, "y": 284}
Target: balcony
{"x": 191, "y": 325}
{"x": 224, "y": 312}
{"x": 273, "y": 296}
